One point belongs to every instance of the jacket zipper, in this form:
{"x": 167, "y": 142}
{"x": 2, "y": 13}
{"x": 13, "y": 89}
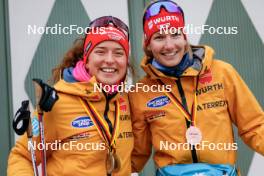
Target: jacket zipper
{"x": 188, "y": 123}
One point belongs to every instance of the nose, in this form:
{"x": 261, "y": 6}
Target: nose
{"x": 109, "y": 59}
{"x": 169, "y": 44}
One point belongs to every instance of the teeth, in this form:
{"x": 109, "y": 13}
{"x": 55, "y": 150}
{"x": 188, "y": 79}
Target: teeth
{"x": 169, "y": 54}
{"x": 108, "y": 70}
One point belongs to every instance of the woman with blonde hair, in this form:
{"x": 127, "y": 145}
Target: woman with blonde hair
{"x": 189, "y": 124}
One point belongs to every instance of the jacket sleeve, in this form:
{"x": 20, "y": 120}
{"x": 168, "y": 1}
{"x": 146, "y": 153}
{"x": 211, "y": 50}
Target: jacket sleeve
{"x": 245, "y": 111}
{"x": 19, "y": 161}
{"x": 142, "y": 136}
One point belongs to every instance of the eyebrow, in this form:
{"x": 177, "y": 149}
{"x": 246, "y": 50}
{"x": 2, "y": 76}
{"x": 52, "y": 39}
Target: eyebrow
{"x": 102, "y": 47}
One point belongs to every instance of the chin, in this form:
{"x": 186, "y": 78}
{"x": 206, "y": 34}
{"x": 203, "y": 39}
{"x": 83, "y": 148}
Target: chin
{"x": 170, "y": 64}
{"x": 110, "y": 82}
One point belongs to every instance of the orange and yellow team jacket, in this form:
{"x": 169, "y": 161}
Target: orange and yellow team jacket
{"x": 68, "y": 122}
{"x": 223, "y": 98}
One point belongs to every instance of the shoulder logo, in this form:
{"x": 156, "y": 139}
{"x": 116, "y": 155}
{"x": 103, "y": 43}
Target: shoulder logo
{"x": 82, "y": 122}
{"x": 158, "y": 102}
{"x": 123, "y": 105}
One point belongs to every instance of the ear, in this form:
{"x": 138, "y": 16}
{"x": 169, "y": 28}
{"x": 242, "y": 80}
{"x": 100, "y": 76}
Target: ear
{"x": 148, "y": 48}
{"x": 86, "y": 65}
{"x": 187, "y": 46}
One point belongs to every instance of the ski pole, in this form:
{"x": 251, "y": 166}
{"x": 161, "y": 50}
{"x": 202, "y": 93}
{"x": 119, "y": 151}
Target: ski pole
{"x": 38, "y": 94}
{"x": 45, "y": 96}
{"x": 22, "y": 116}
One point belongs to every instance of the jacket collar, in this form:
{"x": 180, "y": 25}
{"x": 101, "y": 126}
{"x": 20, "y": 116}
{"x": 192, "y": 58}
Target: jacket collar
{"x": 202, "y": 55}
{"x": 82, "y": 89}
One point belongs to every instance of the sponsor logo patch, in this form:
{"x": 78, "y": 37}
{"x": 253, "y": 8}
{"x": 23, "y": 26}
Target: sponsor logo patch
{"x": 82, "y": 122}
{"x": 123, "y": 105}
{"x": 158, "y": 102}
{"x": 154, "y": 115}
{"x": 87, "y": 47}
{"x": 126, "y": 134}
{"x": 125, "y": 117}
{"x": 164, "y": 26}
{"x": 150, "y": 24}
{"x": 35, "y": 126}
{"x": 206, "y": 78}
{"x": 115, "y": 37}
{"x": 166, "y": 19}
{"x": 83, "y": 135}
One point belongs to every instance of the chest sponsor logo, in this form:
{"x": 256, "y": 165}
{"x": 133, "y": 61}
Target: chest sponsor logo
{"x": 83, "y": 135}
{"x": 82, "y": 122}
{"x": 210, "y": 88}
{"x": 126, "y": 134}
{"x": 210, "y": 105}
{"x": 154, "y": 115}
{"x": 206, "y": 77}
{"x": 125, "y": 117}
{"x": 158, "y": 102}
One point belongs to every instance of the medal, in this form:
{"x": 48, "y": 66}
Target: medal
{"x": 113, "y": 163}
{"x": 110, "y": 162}
{"x": 193, "y": 135}
{"x": 117, "y": 163}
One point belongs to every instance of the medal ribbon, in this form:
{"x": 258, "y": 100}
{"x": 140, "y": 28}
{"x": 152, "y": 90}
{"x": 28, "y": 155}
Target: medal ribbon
{"x": 190, "y": 117}
{"x": 101, "y": 124}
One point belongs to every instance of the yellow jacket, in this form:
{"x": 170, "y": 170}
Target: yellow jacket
{"x": 223, "y": 98}
{"x": 68, "y": 122}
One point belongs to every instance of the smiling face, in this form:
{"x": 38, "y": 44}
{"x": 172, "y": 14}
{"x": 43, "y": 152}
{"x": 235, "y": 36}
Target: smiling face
{"x": 168, "y": 49}
{"x": 107, "y": 62}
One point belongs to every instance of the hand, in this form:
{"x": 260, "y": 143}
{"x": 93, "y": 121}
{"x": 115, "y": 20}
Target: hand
{"x": 48, "y": 97}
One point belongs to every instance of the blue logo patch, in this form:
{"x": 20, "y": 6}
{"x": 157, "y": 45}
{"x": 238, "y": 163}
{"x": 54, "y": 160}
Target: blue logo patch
{"x": 158, "y": 102}
{"x": 82, "y": 122}
{"x": 35, "y": 126}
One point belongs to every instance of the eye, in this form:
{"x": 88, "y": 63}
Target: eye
{"x": 119, "y": 53}
{"x": 176, "y": 34}
{"x": 99, "y": 51}
{"x": 158, "y": 37}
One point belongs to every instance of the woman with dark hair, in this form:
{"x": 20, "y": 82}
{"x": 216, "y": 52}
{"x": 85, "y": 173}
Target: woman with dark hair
{"x": 190, "y": 125}
{"x": 91, "y": 129}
